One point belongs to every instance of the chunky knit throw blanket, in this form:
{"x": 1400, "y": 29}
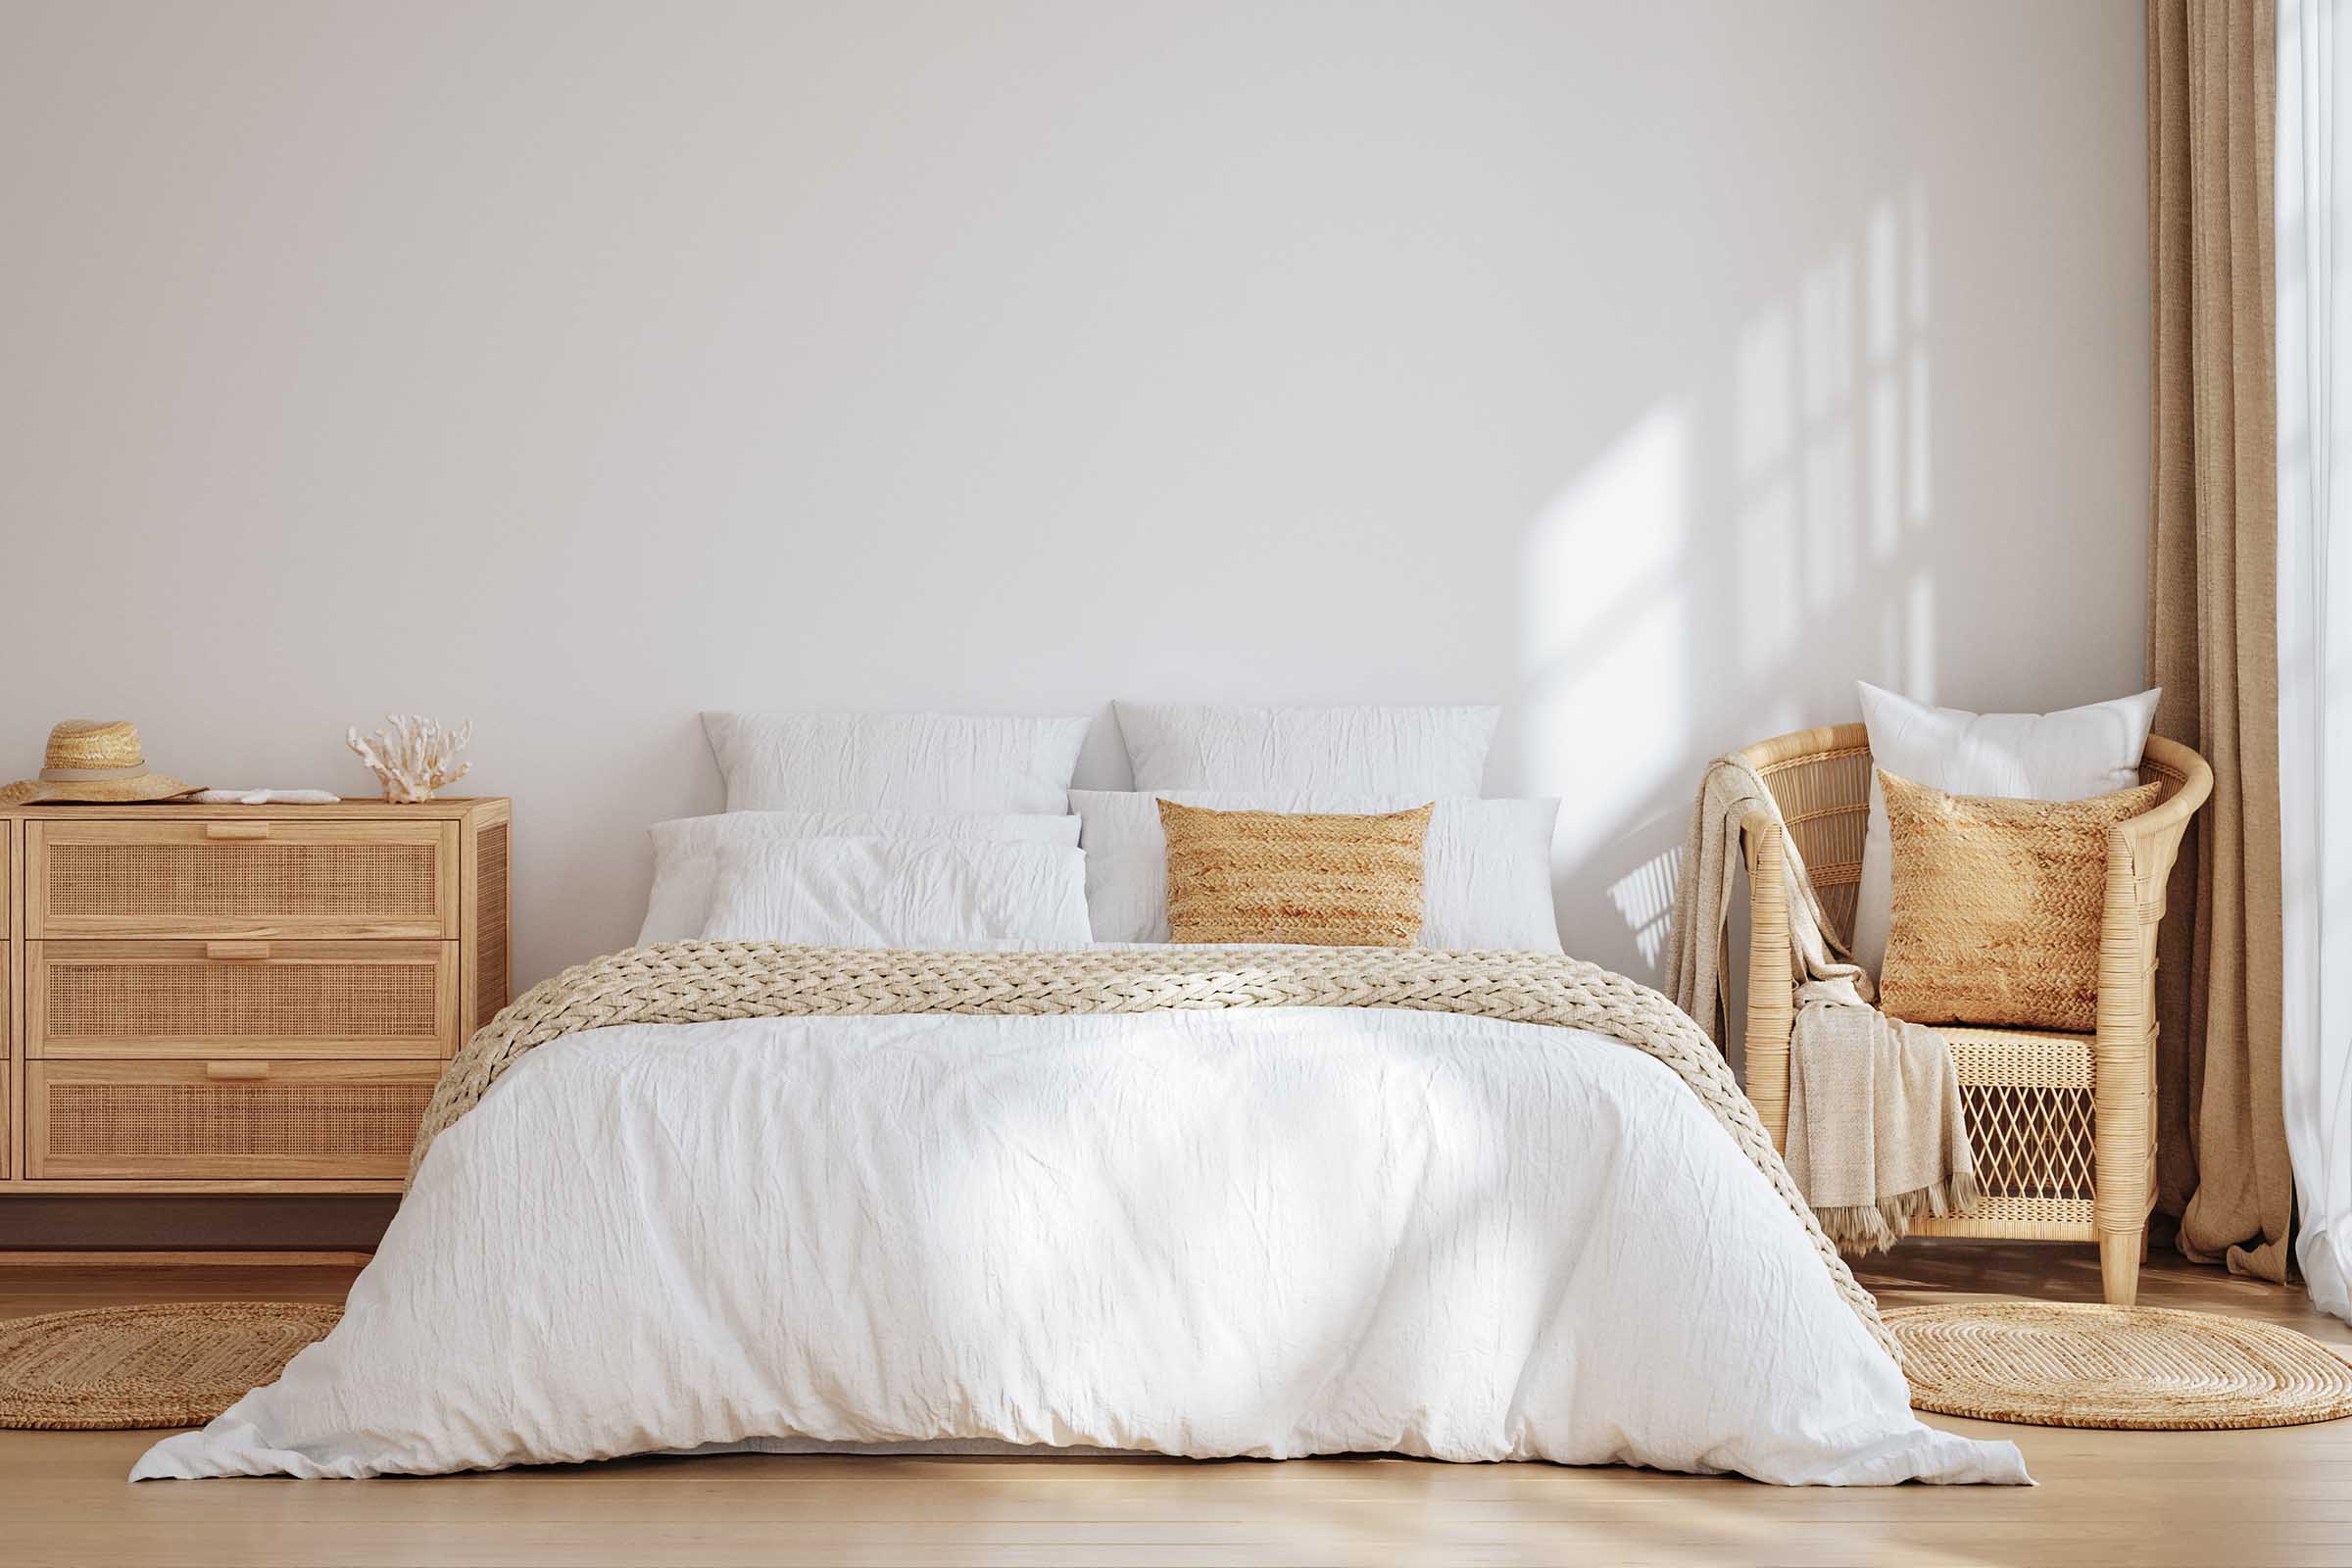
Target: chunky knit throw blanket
{"x": 702, "y": 982}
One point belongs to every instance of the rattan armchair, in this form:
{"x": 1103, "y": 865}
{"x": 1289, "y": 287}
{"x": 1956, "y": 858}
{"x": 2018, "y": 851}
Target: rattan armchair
{"x": 2063, "y": 1125}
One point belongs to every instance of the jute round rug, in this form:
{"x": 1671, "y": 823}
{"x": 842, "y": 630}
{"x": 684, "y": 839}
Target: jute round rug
{"x": 2063, "y": 1364}
{"x": 174, "y": 1365}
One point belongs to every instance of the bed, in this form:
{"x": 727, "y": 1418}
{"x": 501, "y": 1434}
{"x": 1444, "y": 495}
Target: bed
{"x": 746, "y": 1193}
{"x": 1211, "y": 1218}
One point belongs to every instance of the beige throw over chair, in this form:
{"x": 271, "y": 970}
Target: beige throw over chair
{"x": 2063, "y": 1126}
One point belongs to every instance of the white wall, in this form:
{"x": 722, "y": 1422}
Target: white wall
{"x": 1653, "y": 371}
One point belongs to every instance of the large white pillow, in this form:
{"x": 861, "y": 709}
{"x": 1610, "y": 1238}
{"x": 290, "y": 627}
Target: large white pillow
{"x": 899, "y": 893}
{"x": 894, "y": 762}
{"x": 686, "y": 850}
{"x": 1425, "y": 751}
{"x": 2068, "y": 755}
{"x": 1486, "y": 866}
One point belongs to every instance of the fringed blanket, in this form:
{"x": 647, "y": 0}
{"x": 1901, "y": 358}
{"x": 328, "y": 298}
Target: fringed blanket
{"x": 1877, "y": 1132}
{"x": 702, "y": 982}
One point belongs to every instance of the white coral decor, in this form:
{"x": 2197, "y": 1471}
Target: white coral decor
{"x": 413, "y": 757}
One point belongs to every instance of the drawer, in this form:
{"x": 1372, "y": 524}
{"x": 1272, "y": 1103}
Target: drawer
{"x": 242, "y": 877}
{"x": 240, "y": 999}
{"x": 222, "y": 1120}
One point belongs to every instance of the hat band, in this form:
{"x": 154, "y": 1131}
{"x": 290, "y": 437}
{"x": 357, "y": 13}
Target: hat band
{"x": 91, "y": 775}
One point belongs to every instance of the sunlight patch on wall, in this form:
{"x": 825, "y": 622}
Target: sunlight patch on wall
{"x": 1919, "y": 635}
{"x": 1764, "y": 440}
{"x": 1644, "y": 898}
{"x": 1734, "y": 560}
{"x": 1828, "y": 393}
{"x": 1604, "y": 630}
{"x": 1916, "y": 488}
{"x": 1882, "y": 405}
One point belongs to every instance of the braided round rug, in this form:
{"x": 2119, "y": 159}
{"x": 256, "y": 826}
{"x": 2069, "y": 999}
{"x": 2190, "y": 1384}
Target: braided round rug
{"x": 2147, "y": 1368}
{"x": 174, "y": 1365}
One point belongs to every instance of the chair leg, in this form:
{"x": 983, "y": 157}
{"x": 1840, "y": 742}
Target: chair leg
{"x": 2119, "y": 1265}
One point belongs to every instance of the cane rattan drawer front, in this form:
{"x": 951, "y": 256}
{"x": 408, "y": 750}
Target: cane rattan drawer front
{"x": 242, "y": 878}
{"x": 8, "y": 1074}
{"x": 199, "y": 1120}
{"x": 240, "y": 999}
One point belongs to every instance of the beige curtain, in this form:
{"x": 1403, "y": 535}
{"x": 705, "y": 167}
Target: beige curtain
{"x": 2213, "y": 622}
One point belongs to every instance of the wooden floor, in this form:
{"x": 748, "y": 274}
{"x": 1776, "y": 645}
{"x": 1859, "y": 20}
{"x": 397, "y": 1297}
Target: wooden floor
{"x": 2254, "y": 1499}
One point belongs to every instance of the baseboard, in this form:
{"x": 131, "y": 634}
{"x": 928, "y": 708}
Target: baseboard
{"x": 199, "y": 1222}
{"x": 96, "y": 1257}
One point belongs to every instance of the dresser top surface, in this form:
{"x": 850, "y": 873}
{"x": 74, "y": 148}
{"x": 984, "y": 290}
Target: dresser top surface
{"x": 450, "y": 808}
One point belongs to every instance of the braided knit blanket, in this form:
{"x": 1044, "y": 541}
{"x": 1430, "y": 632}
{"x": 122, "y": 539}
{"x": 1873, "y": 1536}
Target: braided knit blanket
{"x": 704, "y": 982}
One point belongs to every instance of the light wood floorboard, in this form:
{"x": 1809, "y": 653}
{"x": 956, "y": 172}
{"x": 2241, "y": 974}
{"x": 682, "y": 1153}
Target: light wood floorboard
{"x": 2253, "y": 1499}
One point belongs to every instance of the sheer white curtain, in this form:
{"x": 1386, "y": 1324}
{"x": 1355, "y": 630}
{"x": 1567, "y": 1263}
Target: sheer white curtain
{"x": 2315, "y": 627}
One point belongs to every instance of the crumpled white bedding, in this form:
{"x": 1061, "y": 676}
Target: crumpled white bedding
{"x": 1206, "y": 1233}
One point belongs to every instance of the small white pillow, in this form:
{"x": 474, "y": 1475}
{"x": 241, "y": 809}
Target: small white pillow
{"x": 1486, "y": 866}
{"x": 1426, "y": 752}
{"x": 894, "y": 762}
{"x": 899, "y": 893}
{"x": 2068, "y": 755}
{"x": 686, "y": 850}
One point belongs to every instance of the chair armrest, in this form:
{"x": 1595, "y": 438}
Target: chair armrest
{"x": 1771, "y": 978}
{"x": 2155, "y": 834}
{"x": 2139, "y": 862}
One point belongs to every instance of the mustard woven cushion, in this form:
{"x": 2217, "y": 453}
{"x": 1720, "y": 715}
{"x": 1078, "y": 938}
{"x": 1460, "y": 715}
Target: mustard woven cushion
{"x": 1271, "y": 876}
{"x": 1998, "y": 905}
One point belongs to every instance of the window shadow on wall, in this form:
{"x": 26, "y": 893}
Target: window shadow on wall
{"x": 1744, "y": 550}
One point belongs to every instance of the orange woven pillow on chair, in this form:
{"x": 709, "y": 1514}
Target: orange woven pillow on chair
{"x": 1997, "y": 905}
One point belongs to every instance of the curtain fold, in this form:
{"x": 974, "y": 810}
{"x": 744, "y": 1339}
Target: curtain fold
{"x": 2222, "y": 1163}
{"x": 2315, "y": 636}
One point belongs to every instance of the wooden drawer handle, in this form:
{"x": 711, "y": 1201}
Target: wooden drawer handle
{"x": 237, "y": 830}
{"x": 239, "y": 951}
{"x": 236, "y": 1070}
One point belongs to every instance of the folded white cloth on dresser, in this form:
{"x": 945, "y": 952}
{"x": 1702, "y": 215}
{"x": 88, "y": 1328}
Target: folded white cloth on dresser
{"x": 266, "y": 798}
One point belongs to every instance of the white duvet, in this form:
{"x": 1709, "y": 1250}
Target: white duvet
{"x": 1208, "y": 1233}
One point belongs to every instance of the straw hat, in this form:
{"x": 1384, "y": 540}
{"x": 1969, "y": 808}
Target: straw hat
{"x": 92, "y": 761}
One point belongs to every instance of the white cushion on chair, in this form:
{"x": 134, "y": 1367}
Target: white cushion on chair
{"x": 2068, "y": 755}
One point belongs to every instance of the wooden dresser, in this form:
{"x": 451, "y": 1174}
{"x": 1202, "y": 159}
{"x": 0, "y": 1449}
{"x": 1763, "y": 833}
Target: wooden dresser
{"x": 249, "y": 999}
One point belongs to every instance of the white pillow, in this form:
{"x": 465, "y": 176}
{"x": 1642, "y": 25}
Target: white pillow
{"x": 686, "y": 850}
{"x": 894, "y": 762}
{"x": 2068, "y": 755}
{"x": 1427, "y": 751}
{"x": 1486, "y": 866}
{"x": 899, "y": 893}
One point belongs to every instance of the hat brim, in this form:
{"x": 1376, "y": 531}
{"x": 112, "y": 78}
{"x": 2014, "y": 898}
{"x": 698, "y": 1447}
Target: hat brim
{"x": 116, "y": 791}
